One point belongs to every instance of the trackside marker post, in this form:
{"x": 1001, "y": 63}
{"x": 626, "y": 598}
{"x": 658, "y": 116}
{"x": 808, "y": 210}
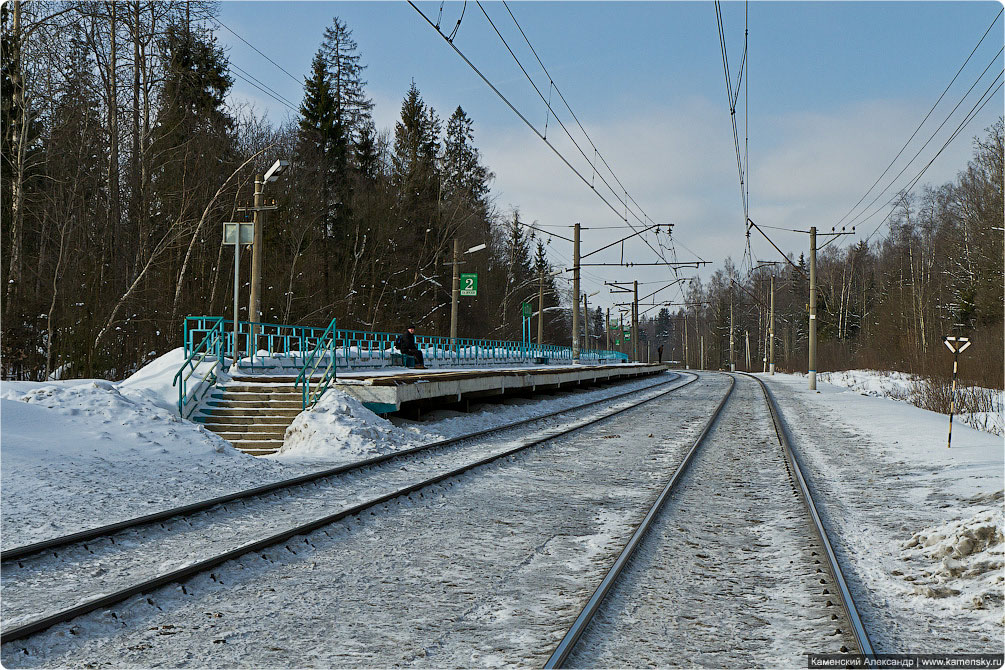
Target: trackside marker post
{"x": 956, "y": 345}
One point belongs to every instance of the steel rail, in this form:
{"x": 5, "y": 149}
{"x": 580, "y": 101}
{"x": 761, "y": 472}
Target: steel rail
{"x": 192, "y": 508}
{"x": 38, "y": 625}
{"x": 858, "y": 628}
{"x": 564, "y": 648}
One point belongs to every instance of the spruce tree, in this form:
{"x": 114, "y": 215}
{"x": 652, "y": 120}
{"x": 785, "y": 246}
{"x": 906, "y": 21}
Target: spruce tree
{"x": 414, "y": 170}
{"x": 317, "y": 112}
{"x": 465, "y": 179}
{"x": 193, "y": 133}
{"x": 351, "y": 106}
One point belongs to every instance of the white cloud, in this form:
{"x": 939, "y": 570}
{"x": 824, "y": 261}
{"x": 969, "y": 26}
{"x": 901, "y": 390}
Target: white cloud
{"x": 679, "y": 163}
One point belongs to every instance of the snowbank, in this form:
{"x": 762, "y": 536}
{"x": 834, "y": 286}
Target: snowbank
{"x": 961, "y": 560}
{"x": 875, "y": 383}
{"x": 154, "y": 381}
{"x": 82, "y": 453}
{"x": 341, "y": 429}
{"x": 905, "y": 387}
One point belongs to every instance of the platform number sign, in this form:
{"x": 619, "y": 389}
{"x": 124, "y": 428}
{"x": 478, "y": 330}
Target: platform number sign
{"x": 526, "y": 309}
{"x": 469, "y": 283}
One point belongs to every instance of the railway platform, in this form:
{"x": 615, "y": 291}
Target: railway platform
{"x": 392, "y": 390}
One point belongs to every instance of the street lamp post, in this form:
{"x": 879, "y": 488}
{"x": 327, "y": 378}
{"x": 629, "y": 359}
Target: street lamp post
{"x": 255, "y": 301}
{"x": 455, "y": 287}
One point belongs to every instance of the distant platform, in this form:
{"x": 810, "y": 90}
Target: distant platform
{"x": 390, "y": 390}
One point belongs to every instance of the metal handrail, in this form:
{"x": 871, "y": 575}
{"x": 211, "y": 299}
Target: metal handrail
{"x": 205, "y": 336}
{"x": 213, "y": 339}
{"x": 325, "y": 344}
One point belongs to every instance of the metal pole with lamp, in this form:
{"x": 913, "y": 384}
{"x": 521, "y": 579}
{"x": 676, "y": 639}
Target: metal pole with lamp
{"x": 255, "y": 300}
{"x": 455, "y": 287}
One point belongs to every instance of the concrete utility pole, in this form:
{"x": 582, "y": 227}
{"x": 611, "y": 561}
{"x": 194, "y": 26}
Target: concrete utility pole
{"x": 771, "y": 330}
{"x": 746, "y": 338}
{"x": 586, "y": 323}
{"x": 621, "y": 332}
{"x": 683, "y": 339}
{"x": 575, "y": 294}
{"x": 732, "y": 363}
{"x": 764, "y": 351}
{"x": 635, "y": 322}
{"x": 540, "y": 309}
{"x": 607, "y": 328}
{"x": 701, "y": 361}
{"x": 812, "y": 367}
{"x": 455, "y": 290}
{"x": 255, "y": 300}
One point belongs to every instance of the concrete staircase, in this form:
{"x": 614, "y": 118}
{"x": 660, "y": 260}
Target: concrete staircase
{"x": 252, "y": 412}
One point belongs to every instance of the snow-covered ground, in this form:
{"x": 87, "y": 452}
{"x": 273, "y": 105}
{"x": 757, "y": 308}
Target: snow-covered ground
{"x": 906, "y": 387}
{"x": 921, "y": 524}
{"x": 78, "y": 454}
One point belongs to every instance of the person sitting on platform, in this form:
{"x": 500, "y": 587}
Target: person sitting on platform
{"x": 406, "y": 345}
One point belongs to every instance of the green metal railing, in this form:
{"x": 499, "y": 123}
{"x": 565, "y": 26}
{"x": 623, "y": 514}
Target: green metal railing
{"x": 203, "y": 340}
{"x": 262, "y": 346}
{"x": 323, "y": 350}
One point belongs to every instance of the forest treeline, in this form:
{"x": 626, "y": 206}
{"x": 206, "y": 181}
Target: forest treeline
{"x": 885, "y": 305}
{"x": 122, "y": 158}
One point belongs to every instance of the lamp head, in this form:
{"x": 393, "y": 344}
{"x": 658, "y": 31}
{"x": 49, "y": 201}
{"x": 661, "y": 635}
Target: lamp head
{"x": 276, "y": 170}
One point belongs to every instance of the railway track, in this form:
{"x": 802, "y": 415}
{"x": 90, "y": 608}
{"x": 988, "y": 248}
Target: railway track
{"x": 826, "y": 573}
{"x": 42, "y": 581}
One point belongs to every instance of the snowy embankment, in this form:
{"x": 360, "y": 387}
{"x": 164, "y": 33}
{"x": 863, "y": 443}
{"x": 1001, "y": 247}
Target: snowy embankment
{"x": 83, "y": 453}
{"x": 908, "y": 387}
{"x": 922, "y": 523}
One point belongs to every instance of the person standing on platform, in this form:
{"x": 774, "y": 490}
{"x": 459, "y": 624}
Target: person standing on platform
{"x": 406, "y": 345}
{"x": 659, "y": 353}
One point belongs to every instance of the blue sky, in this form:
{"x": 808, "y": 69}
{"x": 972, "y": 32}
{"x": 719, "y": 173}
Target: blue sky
{"x": 835, "y": 89}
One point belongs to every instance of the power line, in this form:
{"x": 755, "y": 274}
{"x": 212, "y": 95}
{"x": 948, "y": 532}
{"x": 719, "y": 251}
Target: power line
{"x": 548, "y": 105}
{"x": 250, "y": 79}
{"x": 223, "y": 25}
{"x": 569, "y": 107}
{"x": 514, "y": 109}
{"x": 623, "y": 217}
{"x": 932, "y": 109}
{"x": 918, "y": 153}
{"x": 568, "y": 134}
{"x": 732, "y": 98}
{"x": 975, "y": 110}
